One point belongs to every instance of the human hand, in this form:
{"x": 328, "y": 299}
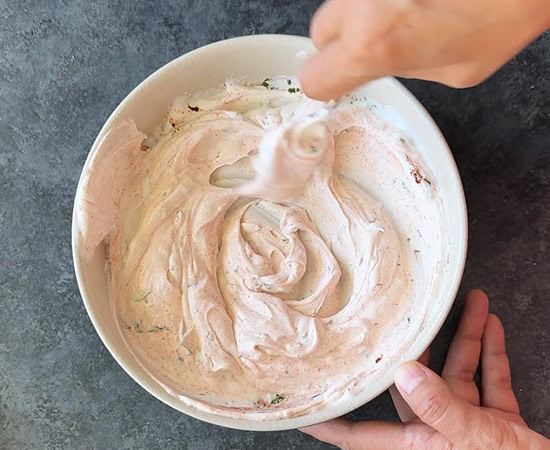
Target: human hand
{"x": 449, "y": 412}
{"x": 455, "y": 42}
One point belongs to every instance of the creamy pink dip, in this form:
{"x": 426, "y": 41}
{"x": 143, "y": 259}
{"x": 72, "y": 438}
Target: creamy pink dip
{"x": 265, "y": 284}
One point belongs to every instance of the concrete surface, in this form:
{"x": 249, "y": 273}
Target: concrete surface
{"x": 65, "y": 65}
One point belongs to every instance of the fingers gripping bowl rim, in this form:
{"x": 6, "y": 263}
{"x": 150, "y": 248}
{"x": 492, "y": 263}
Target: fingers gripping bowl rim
{"x": 259, "y": 57}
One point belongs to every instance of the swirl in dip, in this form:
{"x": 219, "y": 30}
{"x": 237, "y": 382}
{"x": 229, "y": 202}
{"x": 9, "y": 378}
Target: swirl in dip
{"x": 260, "y": 267}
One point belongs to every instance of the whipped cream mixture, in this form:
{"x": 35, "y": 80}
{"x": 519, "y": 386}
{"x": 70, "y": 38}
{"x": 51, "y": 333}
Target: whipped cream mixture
{"x": 267, "y": 255}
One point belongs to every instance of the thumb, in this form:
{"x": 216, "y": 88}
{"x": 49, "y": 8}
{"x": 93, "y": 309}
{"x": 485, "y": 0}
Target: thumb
{"x": 436, "y": 405}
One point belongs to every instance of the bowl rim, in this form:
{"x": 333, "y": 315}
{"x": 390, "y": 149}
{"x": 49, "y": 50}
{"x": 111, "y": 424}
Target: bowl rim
{"x": 383, "y": 382}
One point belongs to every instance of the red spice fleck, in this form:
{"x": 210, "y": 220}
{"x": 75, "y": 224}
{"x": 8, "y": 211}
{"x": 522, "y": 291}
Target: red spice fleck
{"x": 415, "y": 170}
{"x": 379, "y": 359}
{"x": 415, "y": 173}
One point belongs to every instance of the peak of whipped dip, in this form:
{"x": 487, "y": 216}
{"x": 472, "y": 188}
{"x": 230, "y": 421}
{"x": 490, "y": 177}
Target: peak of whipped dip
{"x": 266, "y": 257}
{"x": 289, "y": 155}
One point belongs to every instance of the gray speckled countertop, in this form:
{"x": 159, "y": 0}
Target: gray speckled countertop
{"x": 66, "y": 64}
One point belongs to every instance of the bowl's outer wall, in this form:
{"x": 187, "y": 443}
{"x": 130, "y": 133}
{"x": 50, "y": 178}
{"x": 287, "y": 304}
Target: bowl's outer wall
{"x": 258, "y": 57}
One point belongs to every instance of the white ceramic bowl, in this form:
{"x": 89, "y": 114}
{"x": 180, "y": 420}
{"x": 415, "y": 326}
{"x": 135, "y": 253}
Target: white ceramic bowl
{"x": 258, "y": 57}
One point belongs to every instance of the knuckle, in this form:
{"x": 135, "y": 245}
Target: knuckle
{"x": 358, "y": 49}
{"x": 384, "y": 52}
{"x": 434, "y": 407}
{"x": 387, "y": 49}
{"x": 504, "y": 382}
{"x": 471, "y": 335}
{"x": 459, "y": 375}
{"x": 413, "y": 439}
{"x": 363, "y": 52}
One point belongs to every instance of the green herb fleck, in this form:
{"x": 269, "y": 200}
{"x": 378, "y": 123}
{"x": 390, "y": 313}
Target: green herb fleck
{"x": 293, "y": 90}
{"x": 403, "y": 141}
{"x": 193, "y": 108}
{"x": 289, "y": 82}
{"x": 180, "y": 360}
{"x": 265, "y": 83}
{"x": 277, "y": 399}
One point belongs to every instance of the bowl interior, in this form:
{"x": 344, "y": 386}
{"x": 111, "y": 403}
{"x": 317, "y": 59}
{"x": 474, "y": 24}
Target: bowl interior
{"x": 258, "y": 57}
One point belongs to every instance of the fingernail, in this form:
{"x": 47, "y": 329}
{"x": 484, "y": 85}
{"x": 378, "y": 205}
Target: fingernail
{"x": 408, "y": 377}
